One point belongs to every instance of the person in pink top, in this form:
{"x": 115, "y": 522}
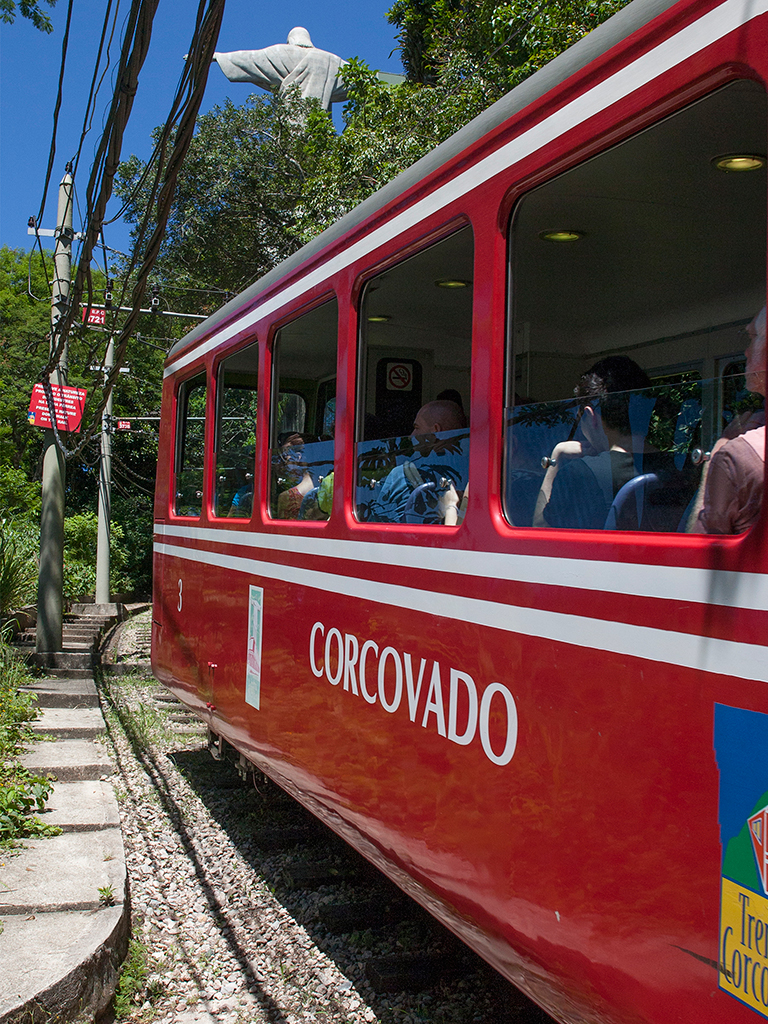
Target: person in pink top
{"x": 733, "y": 493}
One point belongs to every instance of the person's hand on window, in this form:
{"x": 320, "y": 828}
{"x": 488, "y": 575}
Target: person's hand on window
{"x": 448, "y": 506}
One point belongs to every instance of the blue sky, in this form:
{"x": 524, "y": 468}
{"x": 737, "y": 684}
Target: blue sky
{"x": 29, "y": 69}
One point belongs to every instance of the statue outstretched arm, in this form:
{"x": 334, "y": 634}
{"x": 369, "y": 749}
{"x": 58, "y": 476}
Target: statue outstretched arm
{"x": 266, "y": 68}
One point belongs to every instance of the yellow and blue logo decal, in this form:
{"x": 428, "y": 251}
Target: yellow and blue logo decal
{"x": 741, "y": 741}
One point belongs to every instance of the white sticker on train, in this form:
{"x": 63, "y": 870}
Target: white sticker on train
{"x": 389, "y": 675}
{"x": 253, "y": 654}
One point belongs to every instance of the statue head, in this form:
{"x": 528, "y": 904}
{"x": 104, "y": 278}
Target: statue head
{"x": 300, "y": 37}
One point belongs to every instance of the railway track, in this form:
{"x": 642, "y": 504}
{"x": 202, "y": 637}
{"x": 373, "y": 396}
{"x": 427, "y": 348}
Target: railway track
{"x": 246, "y": 908}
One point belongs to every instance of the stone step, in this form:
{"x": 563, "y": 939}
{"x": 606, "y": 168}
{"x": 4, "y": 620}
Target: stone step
{"x": 85, "y": 806}
{"x": 71, "y": 723}
{"x": 64, "y": 692}
{"x": 69, "y": 760}
{"x": 61, "y": 962}
{"x": 63, "y": 659}
{"x": 127, "y": 668}
{"x": 64, "y": 873}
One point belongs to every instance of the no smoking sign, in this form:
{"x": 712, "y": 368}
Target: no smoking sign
{"x": 399, "y": 377}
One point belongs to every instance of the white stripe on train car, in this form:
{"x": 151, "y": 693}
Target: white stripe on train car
{"x": 748, "y": 590}
{"x": 690, "y": 651}
{"x": 689, "y": 41}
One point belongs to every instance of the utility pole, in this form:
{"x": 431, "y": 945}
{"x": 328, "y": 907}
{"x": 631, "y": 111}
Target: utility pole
{"x": 105, "y": 488}
{"x": 50, "y": 587}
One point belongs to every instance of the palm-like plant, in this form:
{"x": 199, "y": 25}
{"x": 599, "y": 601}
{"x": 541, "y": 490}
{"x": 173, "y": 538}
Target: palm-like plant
{"x": 18, "y": 573}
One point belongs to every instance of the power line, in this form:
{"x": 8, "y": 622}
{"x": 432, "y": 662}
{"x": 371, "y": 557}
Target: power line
{"x": 175, "y": 140}
{"x": 57, "y": 108}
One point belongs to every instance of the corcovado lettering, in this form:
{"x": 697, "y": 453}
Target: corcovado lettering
{"x": 744, "y": 958}
{"x": 388, "y": 675}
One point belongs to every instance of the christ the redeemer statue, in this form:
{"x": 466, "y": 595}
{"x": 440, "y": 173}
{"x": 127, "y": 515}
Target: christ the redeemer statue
{"x": 297, "y": 62}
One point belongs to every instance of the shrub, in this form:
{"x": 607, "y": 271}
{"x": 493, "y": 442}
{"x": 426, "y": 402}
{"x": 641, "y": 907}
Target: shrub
{"x": 18, "y": 571}
{"x": 80, "y": 543}
{"x": 21, "y": 792}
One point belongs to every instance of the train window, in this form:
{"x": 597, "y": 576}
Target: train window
{"x": 304, "y": 415}
{"x": 237, "y": 399}
{"x": 645, "y": 260}
{"x": 414, "y": 381}
{"x": 190, "y": 447}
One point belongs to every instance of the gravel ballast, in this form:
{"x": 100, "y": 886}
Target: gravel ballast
{"x": 234, "y": 927}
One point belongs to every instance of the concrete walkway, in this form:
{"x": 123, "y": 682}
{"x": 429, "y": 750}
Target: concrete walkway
{"x": 64, "y": 910}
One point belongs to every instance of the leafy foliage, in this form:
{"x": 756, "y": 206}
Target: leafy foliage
{"x": 27, "y": 9}
{"x": 80, "y": 537}
{"x": 24, "y": 328}
{"x": 24, "y": 325}
{"x": 18, "y": 573}
{"x": 133, "y": 976}
{"x": 262, "y": 178}
{"x": 238, "y": 192}
{"x": 21, "y": 792}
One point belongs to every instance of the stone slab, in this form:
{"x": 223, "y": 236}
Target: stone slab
{"x": 71, "y": 722}
{"x": 127, "y": 668}
{"x": 69, "y": 759}
{"x": 71, "y": 673}
{"x": 52, "y": 965}
{"x": 81, "y": 807}
{"x": 63, "y": 873}
{"x": 63, "y": 660}
{"x": 61, "y": 692}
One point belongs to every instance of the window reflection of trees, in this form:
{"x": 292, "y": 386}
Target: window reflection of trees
{"x": 188, "y": 499}
{"x": 236, "y": 448}
{"x": 667, "y": 436}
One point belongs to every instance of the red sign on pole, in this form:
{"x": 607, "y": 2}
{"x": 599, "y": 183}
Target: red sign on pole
{"x": 96, "y": 317}
{"x": 68, "y": 404}
{"x": 123, "y": 424}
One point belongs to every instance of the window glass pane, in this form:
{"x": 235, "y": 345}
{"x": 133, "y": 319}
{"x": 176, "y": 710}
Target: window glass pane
{"x": 634, "y": 277}
{"x": 415, "y": 357}
{"x": 304, "y": 417}
{"x": 236, "y": 434}
{"x": 190, "y": 447}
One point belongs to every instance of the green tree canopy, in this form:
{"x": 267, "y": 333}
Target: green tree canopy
{"x": 262, "y": 178}
{"x": 25, "y": 313}
{"x": 27, "y": 9}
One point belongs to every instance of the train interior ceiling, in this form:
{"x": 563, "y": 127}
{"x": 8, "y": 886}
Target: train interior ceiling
{"x": 668, "y": 258}
{"x": 667, "y": 265}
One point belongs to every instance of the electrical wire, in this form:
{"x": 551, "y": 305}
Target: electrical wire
{"x": 90, "y": 106}
{"x": 182, "y": 118}
{"x": 44, "y": 267}
{"x": 57, "y": 108}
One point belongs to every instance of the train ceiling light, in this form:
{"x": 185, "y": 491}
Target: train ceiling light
{"x": 739, "y": 162}
{"x": 452, "y": 282}
{"x": 561, "y": 235}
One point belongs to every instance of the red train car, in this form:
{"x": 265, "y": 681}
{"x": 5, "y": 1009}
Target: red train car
{"x": 537, "y": 702}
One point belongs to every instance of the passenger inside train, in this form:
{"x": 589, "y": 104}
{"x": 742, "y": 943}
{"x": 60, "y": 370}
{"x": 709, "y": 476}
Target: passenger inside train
{"x": 733, "y": 479}
{"x": 652, "y": 251}
{"x": 416, "y": 340}
{"x": 585, "y": 474}
{"x": 424, "y": 487}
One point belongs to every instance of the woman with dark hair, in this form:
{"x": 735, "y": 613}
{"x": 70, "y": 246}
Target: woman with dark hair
{"x": 584, "y": 475}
